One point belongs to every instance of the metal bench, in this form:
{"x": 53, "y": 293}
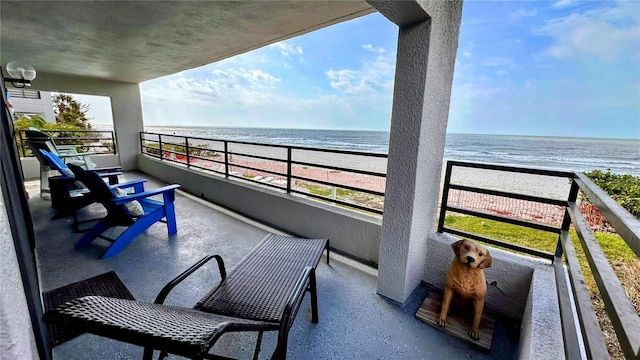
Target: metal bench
{"x": 262, "y": 293}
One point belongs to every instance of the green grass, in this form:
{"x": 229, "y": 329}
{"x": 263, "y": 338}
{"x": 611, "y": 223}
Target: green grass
{"x": 519, "y": 235}
{"x": 347, "y": 195}
{"x": 316, "y": 189}
{"x": 613, "y": 246}
{"x": 325, "y": 191}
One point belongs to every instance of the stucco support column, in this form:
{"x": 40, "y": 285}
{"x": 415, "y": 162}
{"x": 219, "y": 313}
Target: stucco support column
{"x": 126, "y": 108}
{"x": 427, "y": 45}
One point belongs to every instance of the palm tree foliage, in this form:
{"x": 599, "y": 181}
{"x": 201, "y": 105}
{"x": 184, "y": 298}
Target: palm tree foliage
{"x": 69, "y": 111}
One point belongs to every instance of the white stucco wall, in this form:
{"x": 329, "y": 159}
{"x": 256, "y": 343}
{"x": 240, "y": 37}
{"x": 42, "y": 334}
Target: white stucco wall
{"x": 352, "y": 232}
{"x": 512, "y": 273}
{"x": 126, "y": 107}
{"x": 42, "y": 106}
{"x": 527, "y": 294}
{"x": 16, "y": 334}
{"x": 540, "y": 331}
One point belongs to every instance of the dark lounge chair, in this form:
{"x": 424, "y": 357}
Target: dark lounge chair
{"x": 263, "y": 293}
{"x": 38, "y": 140}
{"x": 118, "y": 215}
{"x": 103, "y": 306}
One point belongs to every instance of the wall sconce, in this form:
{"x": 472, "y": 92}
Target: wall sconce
{"x": 20, "y": 74}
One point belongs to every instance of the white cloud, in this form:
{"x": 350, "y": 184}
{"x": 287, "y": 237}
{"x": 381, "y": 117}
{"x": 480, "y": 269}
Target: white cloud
{"x": 376, "y": 49}
{"x": 188, "y": 102}
{"x": 253, "y": 78}
{"x": 269, "y": 87}
{"x": 229, "y": 96}
{"x": 287, "y": 49}
{"x": 607, "y": 34}
{"x": 563, "y": 4}
{"x": 467, "y": 50}
{"x": 521, "y": 13}
{"x": 222, "y": 86}
{"x": 499, "y": 62}
{"x": 343, "y": 80}
{"x": 373, "y": 78}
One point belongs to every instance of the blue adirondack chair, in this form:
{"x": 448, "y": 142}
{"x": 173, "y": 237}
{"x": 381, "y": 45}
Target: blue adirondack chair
{"x": 55, "y": 163}
{"x": 68, "y": 195}
{"x": 118, "y": 215}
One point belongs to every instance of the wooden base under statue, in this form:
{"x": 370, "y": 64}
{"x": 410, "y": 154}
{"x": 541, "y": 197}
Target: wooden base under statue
{"x": 458, "y": 322}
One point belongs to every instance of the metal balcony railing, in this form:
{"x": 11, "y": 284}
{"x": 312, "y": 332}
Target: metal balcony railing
{"x": 284, "y": 167}
{"x": 359, "y": 186}
{"x": 95, "y": 141}
{"x": 619, "y": 308}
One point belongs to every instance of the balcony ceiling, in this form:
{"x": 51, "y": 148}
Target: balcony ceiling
{"x": 136, "y": 41}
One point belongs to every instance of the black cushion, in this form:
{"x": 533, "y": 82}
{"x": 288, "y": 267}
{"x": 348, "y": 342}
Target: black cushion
{"x": 117, "y": 214}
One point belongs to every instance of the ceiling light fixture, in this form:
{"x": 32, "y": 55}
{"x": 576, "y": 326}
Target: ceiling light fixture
{"x": 20, "y": 74}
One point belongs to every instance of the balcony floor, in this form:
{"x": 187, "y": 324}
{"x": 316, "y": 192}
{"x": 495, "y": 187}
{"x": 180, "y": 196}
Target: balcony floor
{"x": 355, "y": 322}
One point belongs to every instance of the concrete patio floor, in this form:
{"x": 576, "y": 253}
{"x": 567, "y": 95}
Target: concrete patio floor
{"x": 355, "y": 322}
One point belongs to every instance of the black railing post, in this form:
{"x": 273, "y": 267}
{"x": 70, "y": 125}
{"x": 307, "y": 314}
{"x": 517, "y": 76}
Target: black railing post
{"x": 160, "y": 146}
{"x": 226, "y": 159}
{"x": 445, "y": 196}
{"x": 141, "y": 142}
{"x": 24, "y": 153}
{"x": 289, "y": 186}
{"x": 113, "y": 142}
{"x": 288, "y": 169}
{"x": 186, "y": 149}
{"x": 566, "y": 220}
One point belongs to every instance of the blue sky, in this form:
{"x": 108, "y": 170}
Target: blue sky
{"x": 553, "y": 68}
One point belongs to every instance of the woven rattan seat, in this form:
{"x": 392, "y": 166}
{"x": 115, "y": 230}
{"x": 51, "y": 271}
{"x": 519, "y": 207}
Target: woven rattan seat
{"x": 262, "y": 293}
{"x": 175, "y": 329}
{"x": 259, "y": 287}
{"x": 107, "y": 284}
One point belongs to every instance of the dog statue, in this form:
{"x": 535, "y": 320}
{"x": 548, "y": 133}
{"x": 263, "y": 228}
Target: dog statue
{"x": 465, "y": 278}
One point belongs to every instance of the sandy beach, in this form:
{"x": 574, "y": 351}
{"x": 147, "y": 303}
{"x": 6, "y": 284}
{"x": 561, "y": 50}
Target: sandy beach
{"x": 534, "y": 185}
{"x": 537, "y": 185}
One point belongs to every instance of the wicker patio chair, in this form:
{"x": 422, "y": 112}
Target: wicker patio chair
{"x": 264, "y": 292}
{"x": 109, "y": 310}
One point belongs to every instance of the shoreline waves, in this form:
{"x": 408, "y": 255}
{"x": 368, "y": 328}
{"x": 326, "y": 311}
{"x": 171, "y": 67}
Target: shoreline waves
{"x": 621, "y": 156}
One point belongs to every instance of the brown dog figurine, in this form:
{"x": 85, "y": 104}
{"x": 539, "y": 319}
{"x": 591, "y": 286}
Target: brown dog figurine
{"x": 466, "y": 279}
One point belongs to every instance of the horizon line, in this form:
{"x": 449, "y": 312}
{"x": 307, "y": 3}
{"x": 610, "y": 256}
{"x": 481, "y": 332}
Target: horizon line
{"x": 370, "y": 130}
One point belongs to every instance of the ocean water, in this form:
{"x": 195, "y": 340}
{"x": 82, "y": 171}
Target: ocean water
{"x": 621, "y": 156}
